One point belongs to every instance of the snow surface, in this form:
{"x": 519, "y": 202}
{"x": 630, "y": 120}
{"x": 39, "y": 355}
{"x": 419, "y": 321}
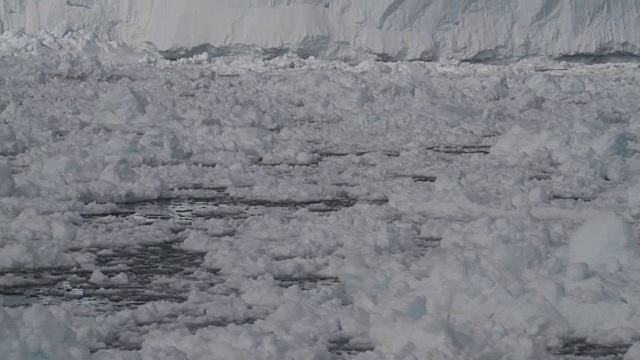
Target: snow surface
{"x": 403, "y": 209}
{"x": 478, "y": 30}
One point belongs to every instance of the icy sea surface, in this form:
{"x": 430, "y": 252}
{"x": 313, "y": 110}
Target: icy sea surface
{"x": 243, "y": 208}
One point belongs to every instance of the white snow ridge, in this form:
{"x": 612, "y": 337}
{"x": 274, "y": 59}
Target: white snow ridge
{"x": 474, "y": 30}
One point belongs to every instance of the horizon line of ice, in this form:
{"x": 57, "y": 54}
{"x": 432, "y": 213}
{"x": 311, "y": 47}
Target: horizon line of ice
{"x": 428, "y": 30}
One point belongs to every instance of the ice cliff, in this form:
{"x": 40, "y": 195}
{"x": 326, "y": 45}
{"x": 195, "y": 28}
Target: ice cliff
{"x": 474, "y": 30}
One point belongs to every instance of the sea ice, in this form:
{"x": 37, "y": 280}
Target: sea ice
{"x": 7, "y": 183}
{"x": 604, "y": 241}
{"x": 291, "y": 207}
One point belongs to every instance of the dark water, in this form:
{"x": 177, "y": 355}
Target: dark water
{"x": 150, "y": 268}
{"x": 164, "y": 271}
{"x": 579, "y": 347}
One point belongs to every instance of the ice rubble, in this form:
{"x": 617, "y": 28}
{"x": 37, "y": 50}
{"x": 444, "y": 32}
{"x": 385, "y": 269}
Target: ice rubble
{"x": 38, "y": 333}
{"x": 606, "y": 241}
{"x": 476, "y": 30}
{"x": 7, "y": 184}
{"x": 518, "y": 265}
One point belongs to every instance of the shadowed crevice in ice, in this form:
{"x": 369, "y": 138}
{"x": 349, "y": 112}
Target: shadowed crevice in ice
{"x": 331, "y": 153}
{"x": 15, "y": 166}
{"x": 425, "y": 244}
{"x": 345, "y": 347}
{"x": 223, "y": 51}
{"x": 488, "y": 57}
{"x": 213, "y": 188}
{"x": 311, "y": 164}
{"x": 540, "y": 177}
{"x": 419, "y": 178}
{"x": 424, "y": 178}
{"x": 445, "y": 149}
{"x": 592, "y": 59}
{"x": 429, "y": 242}
{"x": 581, "y": 348}
{"x": 461, "y": 149}
{"x": 550, "y": 69}
{"x": 570, "y": 197}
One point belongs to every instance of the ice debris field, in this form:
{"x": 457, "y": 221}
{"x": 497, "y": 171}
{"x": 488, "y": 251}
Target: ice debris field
{"x": 267, "y": 194}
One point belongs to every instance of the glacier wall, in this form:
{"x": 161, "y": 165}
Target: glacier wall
{"x": 347, "y": 29}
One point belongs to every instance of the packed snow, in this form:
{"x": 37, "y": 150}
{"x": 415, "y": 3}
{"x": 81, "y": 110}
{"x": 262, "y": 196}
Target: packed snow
{"x": 474, "y": 30}
{"x": 296, "y": 208}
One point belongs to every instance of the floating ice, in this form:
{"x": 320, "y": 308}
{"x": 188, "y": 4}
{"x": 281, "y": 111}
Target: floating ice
{"x": 38, "y": 333}
{"x": 578, "y": 271}
{"x": 9, "y": 142}
{"x": 7, "y": 184}
{"x": 633, "y": 353}
{"x": 604, "y": 241}
{"x": 123, "y": 106}
{"x": 400, "y": 210}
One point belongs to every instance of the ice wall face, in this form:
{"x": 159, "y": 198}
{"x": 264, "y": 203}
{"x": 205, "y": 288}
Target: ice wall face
{"x": 344, "y": 29}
